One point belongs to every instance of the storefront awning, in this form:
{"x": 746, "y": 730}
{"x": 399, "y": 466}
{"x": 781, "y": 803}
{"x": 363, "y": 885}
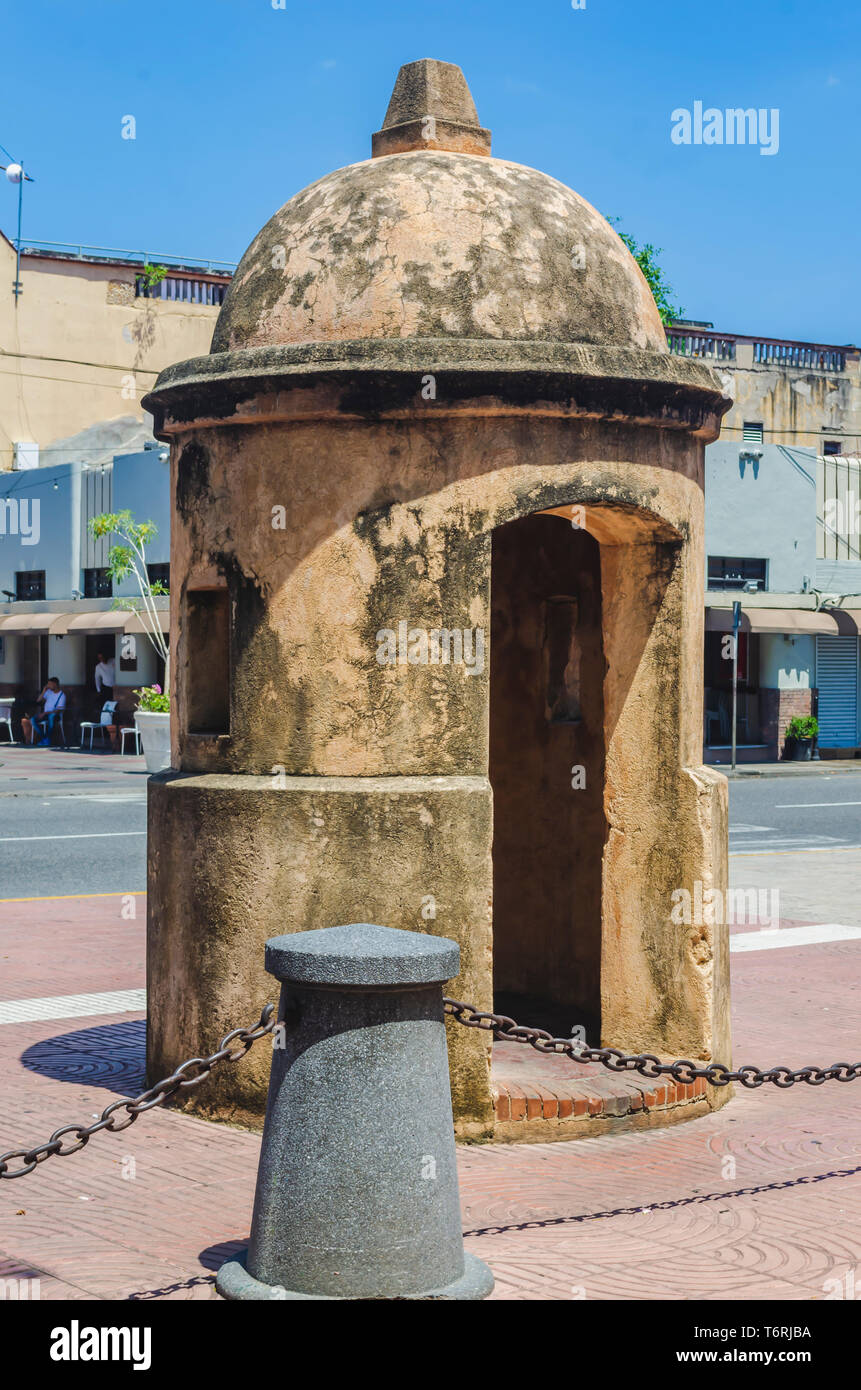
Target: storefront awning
{"x": 113, "y": 621}
{"x": 137, "y": 624}
{"x": 60, "y": 624}
{"x": 33, "y": 622}
{"x": 833, "y": 622}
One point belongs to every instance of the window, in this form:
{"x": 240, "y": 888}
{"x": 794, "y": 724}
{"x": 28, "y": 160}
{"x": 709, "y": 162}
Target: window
{"x": 98, "y": 583}
{"x": 832, "y": 446}
{"x": 30, "y": 585}
{"x": 207, "y": 629}
{"x": 159, "y": 574}
{"x": 729, "y": 572}
{"x": 751, "y": 432}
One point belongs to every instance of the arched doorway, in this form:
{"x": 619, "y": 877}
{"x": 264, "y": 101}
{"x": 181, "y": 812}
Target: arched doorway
{"x": 547, "y": 772}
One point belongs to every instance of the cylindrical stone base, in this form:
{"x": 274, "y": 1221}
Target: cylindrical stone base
{"x": 234, "y": 1283}
{"x": 357, "y": 1192}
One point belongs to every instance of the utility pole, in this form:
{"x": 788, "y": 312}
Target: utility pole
{"x": 736, "y": 623}
{"x": 15, "y": 174}
{"x": 16, "y": 288}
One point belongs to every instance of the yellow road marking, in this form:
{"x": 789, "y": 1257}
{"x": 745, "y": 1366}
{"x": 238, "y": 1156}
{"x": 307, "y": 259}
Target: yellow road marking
{"x": 819, "y": 849}
{"x": 64, "y": 897}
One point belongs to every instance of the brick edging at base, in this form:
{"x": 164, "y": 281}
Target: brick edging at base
{"x": 533, "y": 1111}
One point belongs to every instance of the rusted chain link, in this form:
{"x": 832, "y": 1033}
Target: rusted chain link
{"x": 502, "y": 1027}
{"x": 646, "y": 1063}
{"x": 147, "y": 1100}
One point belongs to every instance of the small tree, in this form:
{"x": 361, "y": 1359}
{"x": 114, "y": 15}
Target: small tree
{"x": 128, "y": 557}
{"x": 647, "y": 259}
{"x": 151, "y": 276}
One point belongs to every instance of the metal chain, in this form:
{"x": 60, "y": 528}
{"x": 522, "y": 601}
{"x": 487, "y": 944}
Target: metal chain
{"x": 646, "y": 1063}
{"x": 502, "y": 1027}
{"x": 147, "y": 1100}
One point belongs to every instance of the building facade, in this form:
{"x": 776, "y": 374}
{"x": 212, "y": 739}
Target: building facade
{"x": 783, "y": 525}
{"x": 782, "y": 539}
{"x": 60, "y": 609}
{"x": 88, "y": 334}
{"x": 806, "y": 395}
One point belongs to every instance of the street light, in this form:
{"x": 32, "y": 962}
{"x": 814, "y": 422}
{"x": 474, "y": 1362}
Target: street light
{"x": 15, "y": 174}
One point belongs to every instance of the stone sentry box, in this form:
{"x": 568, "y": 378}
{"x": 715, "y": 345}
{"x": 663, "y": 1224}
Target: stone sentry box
{"x": 439, "y": 400}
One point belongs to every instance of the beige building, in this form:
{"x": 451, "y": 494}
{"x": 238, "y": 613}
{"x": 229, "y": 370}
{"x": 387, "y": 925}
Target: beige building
{"x": 807, "y": 395}
{"x": 86, "y": 338}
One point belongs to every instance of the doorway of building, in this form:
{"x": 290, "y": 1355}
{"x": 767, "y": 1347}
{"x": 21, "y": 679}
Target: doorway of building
{"x": 547, "y": 773}
{"x": 103, "y": 643}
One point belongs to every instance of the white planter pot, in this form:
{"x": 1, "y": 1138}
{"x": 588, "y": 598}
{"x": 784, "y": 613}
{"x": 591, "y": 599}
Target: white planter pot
{"x": 155, "y": 737}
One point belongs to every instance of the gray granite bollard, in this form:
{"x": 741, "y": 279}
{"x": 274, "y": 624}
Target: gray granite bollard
{"x": 357, "y": 1193}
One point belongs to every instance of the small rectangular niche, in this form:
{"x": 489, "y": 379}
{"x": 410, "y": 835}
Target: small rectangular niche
{"x": 207, "y": 631}
{"x": 562, "y": 660}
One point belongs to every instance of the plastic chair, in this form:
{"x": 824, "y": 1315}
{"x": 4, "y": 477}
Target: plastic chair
{"x": 135, "y": 732}
{"x": 49, "y": 721}
{"x": 6, "y": 718}
{"x": 106, "y": 718}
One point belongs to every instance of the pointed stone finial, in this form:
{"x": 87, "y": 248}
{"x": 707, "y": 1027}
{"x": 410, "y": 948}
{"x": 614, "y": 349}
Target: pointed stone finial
{"x": 431, "y": 109}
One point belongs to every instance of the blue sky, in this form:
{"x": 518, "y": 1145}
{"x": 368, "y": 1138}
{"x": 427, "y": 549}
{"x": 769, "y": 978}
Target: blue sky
{"x": 239, "y": 105}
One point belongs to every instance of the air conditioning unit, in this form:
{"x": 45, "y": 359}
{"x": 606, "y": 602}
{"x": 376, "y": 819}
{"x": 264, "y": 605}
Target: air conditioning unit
{"x": 25, "y": 454}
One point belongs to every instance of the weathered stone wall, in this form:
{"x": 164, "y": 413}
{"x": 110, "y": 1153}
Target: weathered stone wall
{"x": 368, "y": 797}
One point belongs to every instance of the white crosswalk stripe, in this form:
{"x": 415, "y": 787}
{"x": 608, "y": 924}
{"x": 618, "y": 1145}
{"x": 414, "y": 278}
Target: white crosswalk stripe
{"x": 770, "y": 938}
{"x": 115, "y": 1001}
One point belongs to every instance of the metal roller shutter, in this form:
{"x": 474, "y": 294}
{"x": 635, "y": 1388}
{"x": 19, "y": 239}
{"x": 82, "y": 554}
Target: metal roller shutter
{"x": 837, "y": 679}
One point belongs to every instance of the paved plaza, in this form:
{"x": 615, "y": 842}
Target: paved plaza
{"x": 760, "y": 1200}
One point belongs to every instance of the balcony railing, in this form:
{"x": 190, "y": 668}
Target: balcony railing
{"x": 79, "y": 252}
{"x": 182, "y": 289}
{"x": 770, "y": 351}
{"x": 690, "y": 343}
{"x": 767, "y": 352}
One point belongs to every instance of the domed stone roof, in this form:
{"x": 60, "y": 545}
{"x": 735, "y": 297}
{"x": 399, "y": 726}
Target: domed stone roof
{"x": 437, "y": 241}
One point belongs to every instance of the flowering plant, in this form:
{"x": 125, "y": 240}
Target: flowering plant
{"x": 153, "y": 700}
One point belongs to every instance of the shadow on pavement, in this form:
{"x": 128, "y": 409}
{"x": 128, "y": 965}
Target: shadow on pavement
{"x": 112, "y": 1055}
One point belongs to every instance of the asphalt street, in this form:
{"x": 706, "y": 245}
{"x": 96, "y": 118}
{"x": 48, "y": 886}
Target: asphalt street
{"x": 795, "y": 813}
{"x": 84, "y": 832}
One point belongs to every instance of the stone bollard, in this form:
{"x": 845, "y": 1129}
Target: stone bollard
{"x": 357, "y": 1192}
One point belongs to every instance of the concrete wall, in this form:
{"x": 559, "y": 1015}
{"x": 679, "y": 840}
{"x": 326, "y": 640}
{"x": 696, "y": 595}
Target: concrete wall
{"x": 786, "y": 664}
{"x": 764, "y": 509}
{"x": 141, "y": 485}
{"x": 381, "y": 794}
{"x": 796, "y": 406}
{"x": 85, "y": 348}
{"x": 51, "y": 499}
{"x": 46, "y": 527}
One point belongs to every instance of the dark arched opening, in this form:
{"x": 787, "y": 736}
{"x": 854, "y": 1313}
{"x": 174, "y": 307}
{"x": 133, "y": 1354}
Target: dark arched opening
{"x": 547, "y": 772}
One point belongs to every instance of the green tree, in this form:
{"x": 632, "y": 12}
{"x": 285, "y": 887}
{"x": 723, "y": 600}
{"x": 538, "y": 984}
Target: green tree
{"x": 647, "y": 259}
{"x": 127, "y": 556}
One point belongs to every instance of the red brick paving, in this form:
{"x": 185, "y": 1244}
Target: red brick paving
{"x": 87, "y": 770}
{"x": 68, "y": 945}
{"x": 756, "y": 1201}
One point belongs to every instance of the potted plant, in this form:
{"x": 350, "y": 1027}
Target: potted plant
{"x": 152, "y": 718}
{"x": 128, "y": 557}
{"x": 801, "y": 731}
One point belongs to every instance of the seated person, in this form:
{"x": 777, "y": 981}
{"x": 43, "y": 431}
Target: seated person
{"x": 52, "y": 699}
